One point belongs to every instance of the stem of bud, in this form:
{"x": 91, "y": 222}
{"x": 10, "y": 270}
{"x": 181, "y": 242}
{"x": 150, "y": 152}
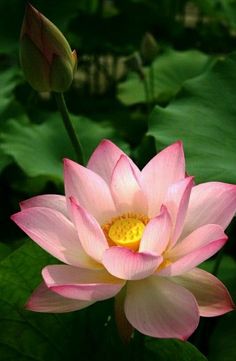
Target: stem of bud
{"x": 61, "y": 104}
{"x": 152, "y": 84}
{"x": 147, "y": 94}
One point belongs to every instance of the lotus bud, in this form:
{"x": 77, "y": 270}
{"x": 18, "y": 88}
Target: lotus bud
{"x": 149, "y": 48}
{"x": 45, "y": 55}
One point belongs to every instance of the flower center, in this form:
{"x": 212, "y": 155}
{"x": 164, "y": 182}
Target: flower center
{"x": 126, "y": 231}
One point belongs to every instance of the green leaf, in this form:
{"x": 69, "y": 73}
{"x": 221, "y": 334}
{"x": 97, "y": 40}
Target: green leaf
{"x": 203, "y": 117}
{"x": 9, "y": 79}
{"x": 26, "y": 335}
{"x": 222, "y": 340}
{"x": 171, "y": 350}
{"x": 132, "y": 90}
{"x": 39, "y": 148}
{"x": 170, "y": 70}
{"x": 18, "y": 274}
{"x": 4, "y": 250}
{"x": 4, "y": 160}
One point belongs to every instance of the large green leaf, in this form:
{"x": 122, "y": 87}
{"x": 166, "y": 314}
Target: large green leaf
{"x": 170, "y": 70}
{"x": 5, "y": 250}
{"x": 26, "y": 335}
{"x": 4, "y": 160}
{"x": 9, "y": 79}
{"x": 222, "y": 341}
{"x": 171, "y": 350}
{"x": 203, "y": 116}
{"x": 19, "y": 274}
{"x": 39, "y": 148}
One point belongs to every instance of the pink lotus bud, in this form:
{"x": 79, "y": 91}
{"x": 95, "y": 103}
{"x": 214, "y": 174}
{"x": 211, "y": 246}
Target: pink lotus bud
{"x": 45, "y": 55}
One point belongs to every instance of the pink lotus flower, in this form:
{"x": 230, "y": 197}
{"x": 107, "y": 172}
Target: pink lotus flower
{"x": 141, "y": 234}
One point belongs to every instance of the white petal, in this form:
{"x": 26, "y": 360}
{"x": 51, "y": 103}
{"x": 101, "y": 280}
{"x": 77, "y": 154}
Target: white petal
{"x": 212, "y": 296}
{"x": 129, "y": 265}
{"x": 157, "y": 308}
{"x": 104, "y": 159}
{"x": 44, "y": 300}
{"x": 176, "y": 201}
{"x": 89, "y": 190}
{"x": 90, "y": 233}
{"x": 212, "y": 202}
{"x": 81, "y": 284}
{"x": 54, "y": 201}
{"x": 166, "y": 168}
{"x": 126, "y": 190}
{"x": 55, "y": 233}
{"x": 156, "y": 235}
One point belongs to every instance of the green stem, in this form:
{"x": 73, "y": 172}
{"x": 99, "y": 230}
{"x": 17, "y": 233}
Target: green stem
{"x": 151, "y": 80}
{"x": 61, "y": 104}
{"x": 147, "y": 94}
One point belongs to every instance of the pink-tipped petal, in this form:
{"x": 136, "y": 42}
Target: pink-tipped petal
{"x": 44, "y": 300}
{"x": 212, "y": 296}
{"x": 157, "y": 308}
{"x": 104, "y": 159}
{"x": 89, "y": 231}
{"x": 129, "y": 265}
{"x": 55, "y": 233}
{"x": 197, "y": 239}
{"x": 54, "y": 201}
{"x": 125, "y": 188}
{"x": 166, "y": 168}
{"x": 212, "y": 202}
{"x": 189, "y": 261}
{"x": 81, "y": 284}
{"x": 176, "y": 201}
{"x": 89, "y": 190}
{"x": 156, "y": 235}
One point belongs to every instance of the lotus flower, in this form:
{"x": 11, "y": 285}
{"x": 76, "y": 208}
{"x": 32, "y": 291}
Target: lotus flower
{"x": 139, "y": 234}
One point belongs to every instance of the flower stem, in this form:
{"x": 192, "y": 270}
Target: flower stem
{"x": 147, "y": 94}
{"x": 61, "y": 104}
{"x": 124, "y": 328}
{"x": 151, "y": 80}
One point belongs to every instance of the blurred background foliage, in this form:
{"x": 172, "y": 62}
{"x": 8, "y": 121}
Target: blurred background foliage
{"x": 150, "y": 72}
